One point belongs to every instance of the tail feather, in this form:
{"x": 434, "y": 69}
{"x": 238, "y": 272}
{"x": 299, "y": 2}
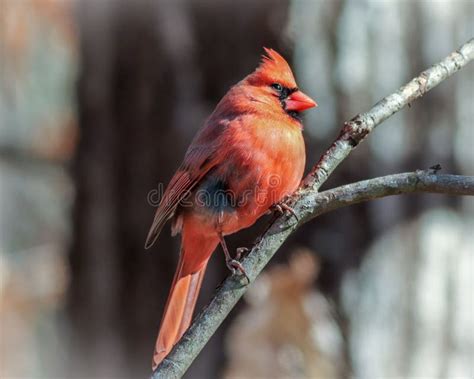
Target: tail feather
{"x": 191, "y": 300}
{"x": 178, "y": 313}
{"x": 182, "y": 297}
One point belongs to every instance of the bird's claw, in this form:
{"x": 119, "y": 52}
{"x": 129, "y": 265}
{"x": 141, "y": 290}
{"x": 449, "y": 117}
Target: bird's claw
{"x": 235, "y": 266}
{"x": 283, "y": 208}
{"x": 240, "y": 251}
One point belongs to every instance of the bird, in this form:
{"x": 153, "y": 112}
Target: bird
{"x": 248, "y": 157}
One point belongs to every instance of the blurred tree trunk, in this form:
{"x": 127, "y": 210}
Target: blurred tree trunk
{"x": 150, "y": 73}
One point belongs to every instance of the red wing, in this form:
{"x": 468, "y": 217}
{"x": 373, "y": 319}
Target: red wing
{"x": 180, "y": 186}
{"x": 202, "y": 156}
{"x": 197, "y": 163}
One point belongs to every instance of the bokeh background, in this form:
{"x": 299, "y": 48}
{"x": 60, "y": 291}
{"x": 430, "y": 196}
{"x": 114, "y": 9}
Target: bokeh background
{"x": 98, "y": 102}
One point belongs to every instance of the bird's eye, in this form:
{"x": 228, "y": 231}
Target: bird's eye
{"x": 277, "y": 86}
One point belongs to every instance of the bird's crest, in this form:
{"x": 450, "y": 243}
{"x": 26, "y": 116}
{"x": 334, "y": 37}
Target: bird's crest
{"x": 273, "y": 68}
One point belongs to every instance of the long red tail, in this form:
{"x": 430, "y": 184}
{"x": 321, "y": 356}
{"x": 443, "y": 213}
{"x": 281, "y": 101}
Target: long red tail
{"x": 195, "y": 253}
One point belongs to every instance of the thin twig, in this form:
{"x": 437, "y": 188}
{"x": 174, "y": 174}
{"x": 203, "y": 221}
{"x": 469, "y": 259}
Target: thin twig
{"x": 353, "y": 132}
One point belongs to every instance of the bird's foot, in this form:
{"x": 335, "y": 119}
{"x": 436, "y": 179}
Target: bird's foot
{"x": 284, "y": 208}
{"x": 236, "y": 267}
{"x": 240, "y": 252}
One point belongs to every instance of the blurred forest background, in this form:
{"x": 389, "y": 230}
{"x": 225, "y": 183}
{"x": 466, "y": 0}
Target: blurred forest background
{"x": 98, "y": 102}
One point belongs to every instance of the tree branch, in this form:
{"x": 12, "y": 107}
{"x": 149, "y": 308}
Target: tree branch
{"x": 308, "y": 203}
{"x": 355, "y": 130}
{"x": 318, "y": 203}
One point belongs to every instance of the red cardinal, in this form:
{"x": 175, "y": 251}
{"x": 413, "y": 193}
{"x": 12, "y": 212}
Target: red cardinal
{"x": 249, "y": 155}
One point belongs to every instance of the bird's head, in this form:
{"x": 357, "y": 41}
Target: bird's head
{"x": 275, "y": 85}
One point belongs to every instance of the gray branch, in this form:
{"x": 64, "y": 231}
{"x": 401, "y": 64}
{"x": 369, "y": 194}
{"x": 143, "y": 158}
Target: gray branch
{"x": 308, "y": 203}
{"x": 317, "y": 203}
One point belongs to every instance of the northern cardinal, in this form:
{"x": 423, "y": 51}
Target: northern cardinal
{"x": 248, "y": 156}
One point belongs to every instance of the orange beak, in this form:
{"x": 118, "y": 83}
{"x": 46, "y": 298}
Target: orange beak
{"x": 298, "y": 101}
